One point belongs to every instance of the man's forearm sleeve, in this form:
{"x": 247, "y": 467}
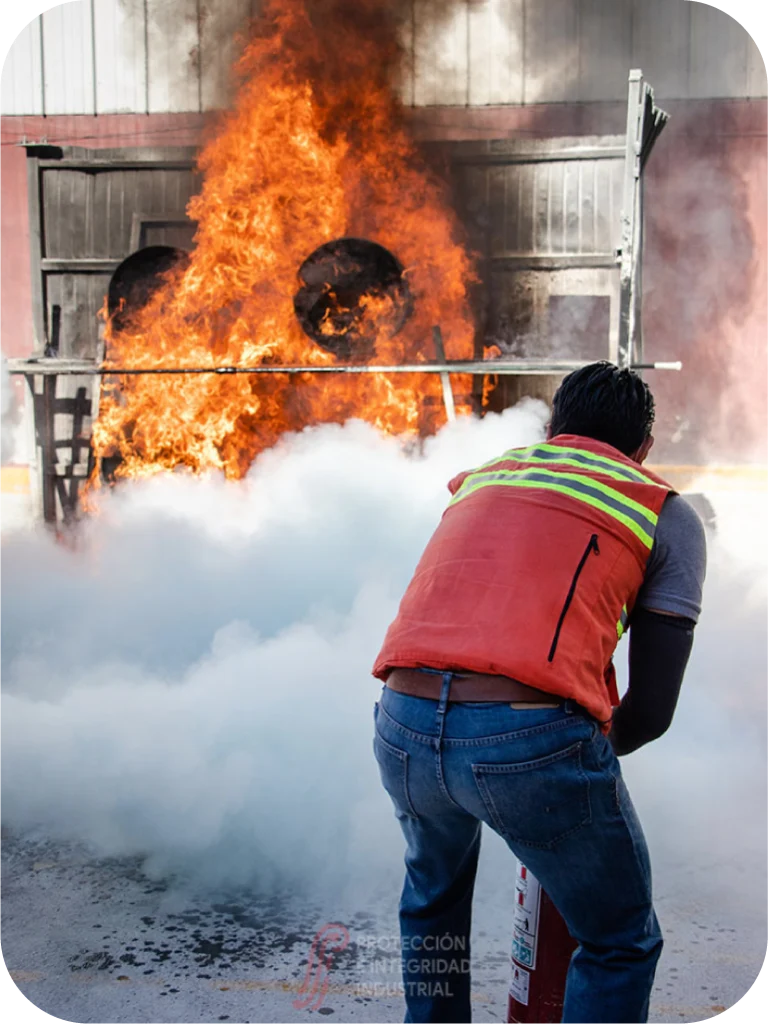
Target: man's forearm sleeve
{"x": 659, "y": 647}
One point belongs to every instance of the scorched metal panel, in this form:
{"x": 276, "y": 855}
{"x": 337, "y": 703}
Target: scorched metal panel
{"x": 495, "y": 54}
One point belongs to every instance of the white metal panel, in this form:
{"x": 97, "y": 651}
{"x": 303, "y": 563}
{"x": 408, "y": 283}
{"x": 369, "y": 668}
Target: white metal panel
{"x": 605, "y": 49}
{"x": 22, "y": 81}
{"x": 440, "y": 53}
{"x": 756, "y": 74}
{"x": 173, "y": 55}
{"x": 718, "y": 54}
{"x": 660, "y": 36}
{"x": 220, "y": 28}
{"x": 119, "y": 39}
{"x": 68, "y": 59}
{"x": 551, "y": 51}
{"x": 495, "y": 51}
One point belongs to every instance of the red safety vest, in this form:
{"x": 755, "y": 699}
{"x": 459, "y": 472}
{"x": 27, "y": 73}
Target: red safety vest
{"x": 533, "y": 571}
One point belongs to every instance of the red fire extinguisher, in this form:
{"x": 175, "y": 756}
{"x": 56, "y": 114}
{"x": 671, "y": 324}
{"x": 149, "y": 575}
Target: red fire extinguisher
{"x": 541, "y": 952}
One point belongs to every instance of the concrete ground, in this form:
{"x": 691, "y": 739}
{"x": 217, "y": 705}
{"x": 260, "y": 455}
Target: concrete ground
{"x": 88, "y": 939}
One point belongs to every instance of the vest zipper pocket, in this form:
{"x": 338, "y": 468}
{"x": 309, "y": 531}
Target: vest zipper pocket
{"x": 592, "y": 546}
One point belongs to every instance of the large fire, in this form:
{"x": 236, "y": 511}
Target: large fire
{"x": 315, "y": 149}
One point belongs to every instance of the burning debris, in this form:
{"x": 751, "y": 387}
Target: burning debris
{"x": 314, "y": 159}
{"x": 353, "y": 292}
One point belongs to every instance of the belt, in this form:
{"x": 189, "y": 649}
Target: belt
{"x": 469, "y": 686}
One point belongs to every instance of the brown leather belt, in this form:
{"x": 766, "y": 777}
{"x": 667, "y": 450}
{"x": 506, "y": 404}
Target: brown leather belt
{"x": 469, "y": 686}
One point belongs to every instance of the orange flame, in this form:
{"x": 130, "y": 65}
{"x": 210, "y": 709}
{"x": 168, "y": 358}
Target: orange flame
{"x": 315, "y": 149}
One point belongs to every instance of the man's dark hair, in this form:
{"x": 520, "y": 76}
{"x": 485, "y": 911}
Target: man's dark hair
{"x": 605, "y": 403}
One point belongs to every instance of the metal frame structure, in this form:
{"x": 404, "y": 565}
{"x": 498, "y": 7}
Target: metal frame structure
{"x": 60, "y": 478}
{"x": 645, "y": 122}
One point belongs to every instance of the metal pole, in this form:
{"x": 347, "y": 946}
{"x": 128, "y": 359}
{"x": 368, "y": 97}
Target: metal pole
{"x": 629, "y": 213}
{"x": 520, "y": 366}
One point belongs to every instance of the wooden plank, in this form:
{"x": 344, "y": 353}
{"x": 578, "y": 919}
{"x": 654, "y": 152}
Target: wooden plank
{"x": 718, "y": 66}
{"x": 68, "y": 59}
{"x": 660, "y": 45}
{"x": 45, "y": 417}
{"x": 521, "y": 201}
{"x": 572, "y": 209}
{"x": 96, "y": 286}
{"x": 472, "y": 190}
{"x": 605, "y": 49}
{"x": 587, "y": 208}
{"x": 557, "y": 207}
{"x": 103, "y": 224}
{"x": 497, "y": 178}
{"x": 440, "y": 54}
{"x": 604, "y": 228}
{"x": 617, "y": 198}
{"x": 495, "y": 63}
{"x": 36, "y": 251}
{"x": 22, "y": 80}
{"x": 119, "y": 41}
{"x": 79, "y": 297}
{"x": 79, "y": 265}
{"x": 221, "y": 27}
{"x": 167, "y": 233}
{"x": 173, "y": 56}
{"x": 541, "y": 208}
{"x": 65, "y": 216}
{"x": 550, "y": 54}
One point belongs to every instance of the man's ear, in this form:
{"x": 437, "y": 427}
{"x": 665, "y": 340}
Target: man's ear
{"x": 642, "y": 452}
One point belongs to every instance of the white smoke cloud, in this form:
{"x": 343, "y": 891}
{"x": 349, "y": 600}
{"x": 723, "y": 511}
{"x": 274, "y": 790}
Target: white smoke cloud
{"x": 701, "y": 789}
{"x": 193, "y": 682}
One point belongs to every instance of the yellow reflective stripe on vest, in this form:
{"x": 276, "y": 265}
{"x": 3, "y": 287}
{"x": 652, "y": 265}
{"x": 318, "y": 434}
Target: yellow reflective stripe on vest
{"x": 577, "y": 457}
{"x": 640, "y": 520}
{"x": 621, "y": 625}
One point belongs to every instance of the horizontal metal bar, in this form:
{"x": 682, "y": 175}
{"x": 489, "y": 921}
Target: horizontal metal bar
{"x": 116, "y": 165}
{"x": 555, "y": 261}
{"x": 523, "y": 366}
{"x": 79, "y": 266}
{"x": 556, "y": 156}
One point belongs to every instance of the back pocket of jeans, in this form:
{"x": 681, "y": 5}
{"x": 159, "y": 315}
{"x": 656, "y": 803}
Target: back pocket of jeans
{"x": 393, "y": 768}
{"x": 536, "y": 803}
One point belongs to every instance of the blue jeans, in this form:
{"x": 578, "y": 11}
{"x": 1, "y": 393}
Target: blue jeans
{"x": 548, "y": 782}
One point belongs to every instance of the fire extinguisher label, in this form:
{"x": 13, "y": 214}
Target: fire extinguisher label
{"x": 525, "y": 926}
{"x": 519, "y": 985}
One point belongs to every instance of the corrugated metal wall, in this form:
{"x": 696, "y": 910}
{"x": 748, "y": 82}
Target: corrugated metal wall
{"x": 124, "y": 56}
{"x": 144, "y": 56}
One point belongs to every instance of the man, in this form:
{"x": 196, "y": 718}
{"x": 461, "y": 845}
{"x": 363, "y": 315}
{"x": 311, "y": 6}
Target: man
{"x": 500, "y": 693}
